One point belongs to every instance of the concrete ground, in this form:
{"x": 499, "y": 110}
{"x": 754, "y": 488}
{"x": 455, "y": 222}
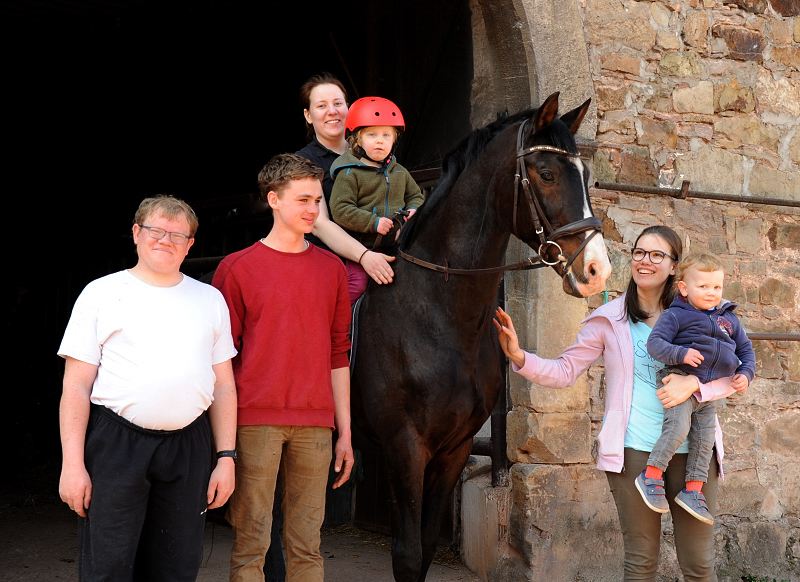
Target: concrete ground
{"x": 39, "y": 544}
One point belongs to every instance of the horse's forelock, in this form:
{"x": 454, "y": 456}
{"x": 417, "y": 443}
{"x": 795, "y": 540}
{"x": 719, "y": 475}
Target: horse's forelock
{"x": 558, "y": 135}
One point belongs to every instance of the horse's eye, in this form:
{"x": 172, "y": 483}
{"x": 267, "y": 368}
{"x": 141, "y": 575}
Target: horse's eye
{"x": 546, "y": 176}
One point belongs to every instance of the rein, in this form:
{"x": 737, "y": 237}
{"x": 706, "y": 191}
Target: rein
{"x": 547, "y": 234}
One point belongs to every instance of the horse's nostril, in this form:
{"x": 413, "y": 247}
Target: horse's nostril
{"x": 592, "y": 271}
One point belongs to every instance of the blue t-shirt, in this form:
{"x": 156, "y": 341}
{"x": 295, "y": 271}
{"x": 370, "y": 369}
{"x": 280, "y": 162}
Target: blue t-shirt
{"x": 647, "y": 412}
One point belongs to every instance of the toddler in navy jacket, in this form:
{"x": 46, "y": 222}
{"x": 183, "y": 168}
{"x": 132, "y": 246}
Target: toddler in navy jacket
{"x": 698, "y": 335}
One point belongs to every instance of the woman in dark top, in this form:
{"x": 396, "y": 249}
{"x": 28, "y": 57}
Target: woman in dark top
{"x": 324, "y": 102}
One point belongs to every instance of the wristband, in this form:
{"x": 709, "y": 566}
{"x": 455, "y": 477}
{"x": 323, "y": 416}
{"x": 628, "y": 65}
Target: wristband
{"x": 362, "y": 255}
{"x": 231, "y": 454}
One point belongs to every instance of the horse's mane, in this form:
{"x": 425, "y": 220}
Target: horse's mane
{"x": 556, "y": 134}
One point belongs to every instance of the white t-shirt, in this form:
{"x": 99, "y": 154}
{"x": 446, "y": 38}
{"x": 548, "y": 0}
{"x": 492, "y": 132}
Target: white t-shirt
{"x": 154, "y": 347}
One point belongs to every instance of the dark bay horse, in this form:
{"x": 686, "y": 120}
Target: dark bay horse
{"x": 427, "y": 372}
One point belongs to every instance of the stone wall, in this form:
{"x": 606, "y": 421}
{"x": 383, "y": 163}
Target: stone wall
{"x": 696, "y": 90}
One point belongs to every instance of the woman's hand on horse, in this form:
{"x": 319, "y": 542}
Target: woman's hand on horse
{"x": 507, "y": 336}
{"x": 384, "y": 225}
{"x": 677, "y": 389}
{"x": 377, "y": 266}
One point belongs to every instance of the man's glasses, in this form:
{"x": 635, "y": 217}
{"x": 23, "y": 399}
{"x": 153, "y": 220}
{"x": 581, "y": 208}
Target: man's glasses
{"x": 158, "y": 233}
{"x": 656, "y": 257}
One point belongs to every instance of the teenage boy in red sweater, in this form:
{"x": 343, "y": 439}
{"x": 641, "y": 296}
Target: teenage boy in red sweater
{"x": 290, "y": 314}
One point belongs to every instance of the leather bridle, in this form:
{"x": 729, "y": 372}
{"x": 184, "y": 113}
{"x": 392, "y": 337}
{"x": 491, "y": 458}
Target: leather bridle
{"x": 544, "y": 230}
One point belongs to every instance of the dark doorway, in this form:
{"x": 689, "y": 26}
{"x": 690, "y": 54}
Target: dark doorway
{"x": 109, "y": 101}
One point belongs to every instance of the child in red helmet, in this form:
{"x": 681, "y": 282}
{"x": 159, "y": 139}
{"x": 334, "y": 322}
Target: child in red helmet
{"x": 369, "y": 185}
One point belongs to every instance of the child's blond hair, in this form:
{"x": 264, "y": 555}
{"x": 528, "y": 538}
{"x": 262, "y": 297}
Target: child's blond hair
{"x": 701, "y": 261}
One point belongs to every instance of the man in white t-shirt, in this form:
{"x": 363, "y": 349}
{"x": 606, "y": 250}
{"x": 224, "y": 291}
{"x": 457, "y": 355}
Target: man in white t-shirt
{"x": 148, "y": 398}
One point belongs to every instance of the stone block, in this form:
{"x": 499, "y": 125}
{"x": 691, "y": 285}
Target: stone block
{"x": 680, "y": 65}
{"x": 743, "y": 44}
{"x": 796, "y": 32}
{"x": 611, "y": 21}
{"x": 774, "y": 183}
{"x": 748, "y": 235}
{"x": 740, "y": 494}
{"x": 782, "y": 434}
{"x": 564, "y": 523}
{"x": 787, "y": 55}
{"x": 610, "y": 97}
{"x": 697, "y": 99}
{"x": 731, "y": 96}
{"x": 636, "y": 167}
{"x": 549, "y": 438}
{"x": 762, "y": 545}
{"x": 620, "y": 271}
{"x": 711, "y": 169}
{"x": 767, "y": 363}
{"x": 660, "y": 14}
{"x": 695, "y": 29}
{"x": 794, "y": 145}
{"x": 786, "y": 8}
{"x": 781, "y": 31}
{"x": 623, "y": 63}
{"x": 779, "y": 293}
{"x": 784, "y": 236}
{"x": 484, "y": 524}
{"x": 667, "y": 40}
{"x": 753, "y": 6}
{"x": 734, "y": 292}
{"x": 748, "y": 130}
{"x": 603, "y": 170}
{"x": 656, "y": 132}
{"x": 739, "y": 429}
{"x": 793, "y": 361}
{"x": 753, "y": 296}
{"x": 780, "y": 96}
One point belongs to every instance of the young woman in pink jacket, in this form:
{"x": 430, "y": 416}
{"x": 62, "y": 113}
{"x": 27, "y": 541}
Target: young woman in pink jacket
{"x": 634, "y": 407}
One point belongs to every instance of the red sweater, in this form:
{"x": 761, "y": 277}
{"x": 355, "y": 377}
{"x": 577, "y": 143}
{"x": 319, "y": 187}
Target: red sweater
{"x": 290, "y": 317}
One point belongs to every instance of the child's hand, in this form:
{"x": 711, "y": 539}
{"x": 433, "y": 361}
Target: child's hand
{"x": 740, "y": 382}
{"x": 508, "y": 337}
{"x": 384, "y": 226}
{"x": 410, "y": 213}
{"x": 693, "y": 358}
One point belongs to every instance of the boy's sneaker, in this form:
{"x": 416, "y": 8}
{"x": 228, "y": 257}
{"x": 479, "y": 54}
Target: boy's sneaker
{"x": 652, "y": 491}
{"x": 695, "y": 503}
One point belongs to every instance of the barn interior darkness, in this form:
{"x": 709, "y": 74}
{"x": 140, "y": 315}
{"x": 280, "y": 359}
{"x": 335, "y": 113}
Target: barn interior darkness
{"x": 107, "y": 102}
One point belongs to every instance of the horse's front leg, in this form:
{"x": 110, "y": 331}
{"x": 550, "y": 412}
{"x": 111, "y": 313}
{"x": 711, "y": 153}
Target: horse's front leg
{"x": 441, "y": 477}
{"x": 406, "y": 471}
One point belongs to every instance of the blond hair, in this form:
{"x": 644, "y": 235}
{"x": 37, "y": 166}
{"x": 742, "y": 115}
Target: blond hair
{"x": 170, "y": 208}
{"x": 701, "y": 261}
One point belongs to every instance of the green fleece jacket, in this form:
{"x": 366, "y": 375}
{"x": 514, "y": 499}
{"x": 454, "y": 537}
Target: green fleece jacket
{"x": 362, "y": 194}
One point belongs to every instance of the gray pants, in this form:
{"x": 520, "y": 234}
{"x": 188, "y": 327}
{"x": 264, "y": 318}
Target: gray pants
{"x": 641, "y": 528}
{"x": 689, "y": 418}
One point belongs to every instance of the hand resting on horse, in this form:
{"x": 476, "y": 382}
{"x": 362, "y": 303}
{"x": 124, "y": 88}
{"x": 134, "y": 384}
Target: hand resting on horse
{"x": 676, "y": 388}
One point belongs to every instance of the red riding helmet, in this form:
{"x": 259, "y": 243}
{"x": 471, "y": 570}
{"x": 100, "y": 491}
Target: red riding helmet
{"x": 369, "y": 111}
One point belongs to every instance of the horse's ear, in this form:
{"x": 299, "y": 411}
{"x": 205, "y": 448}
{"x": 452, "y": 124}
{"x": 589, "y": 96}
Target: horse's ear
{"x": 546, "y": 113}
{"x": 574, "y": 118}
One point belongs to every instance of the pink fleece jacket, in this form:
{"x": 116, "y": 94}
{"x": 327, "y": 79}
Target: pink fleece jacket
{"x": 605, "y": 333}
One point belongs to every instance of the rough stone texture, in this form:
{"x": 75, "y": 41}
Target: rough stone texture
{"x": 657, "y": 133}
{"x": 779, "y": 96}
{"x": 748, "y": 235}
{"x": 557, "y": 510}
{"x": 637, "y": 168}
{"x": 733, "y": 97}
{"x": 622, "y": 63}
{"x": 794, "y": 145}
{"x": 697, "y": 99}
{"x": 610, "y": 97}
{"x": 612, "y": 21}
{"x": 767, "y": 363}
{"x": 754, "y": 6}
{"x": 747, "y": 130}
{"x": 743, "y": 44}
{"x": 484, "y": 519}
{"x": 775, "y": 183}
{"x": 796, "y": 33}
{"x": 782, "y": 236}
{"x": 711, "y": 170}
{"x": 788, "y": 55}
{"x": 786, "y": 8}
{"x": 695, "y": 31}
{"x": 680, "y": 65}
{"x": 776, "y": 292}
{"x": 549, "y": 438}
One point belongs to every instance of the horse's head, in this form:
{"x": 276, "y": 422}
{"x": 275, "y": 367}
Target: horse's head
{"x": 552, "y": 211}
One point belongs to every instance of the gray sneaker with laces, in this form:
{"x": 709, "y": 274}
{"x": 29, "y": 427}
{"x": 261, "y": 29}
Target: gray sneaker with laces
{"x": 695, "y": 503}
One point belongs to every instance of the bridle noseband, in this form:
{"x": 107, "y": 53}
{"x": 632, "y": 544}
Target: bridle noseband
{"x": 544, "y": 230}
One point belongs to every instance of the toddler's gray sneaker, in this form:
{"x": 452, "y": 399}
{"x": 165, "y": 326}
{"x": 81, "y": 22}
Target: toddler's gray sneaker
{"x": 652, "y": 491}
{"x": 695, "y": 503}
